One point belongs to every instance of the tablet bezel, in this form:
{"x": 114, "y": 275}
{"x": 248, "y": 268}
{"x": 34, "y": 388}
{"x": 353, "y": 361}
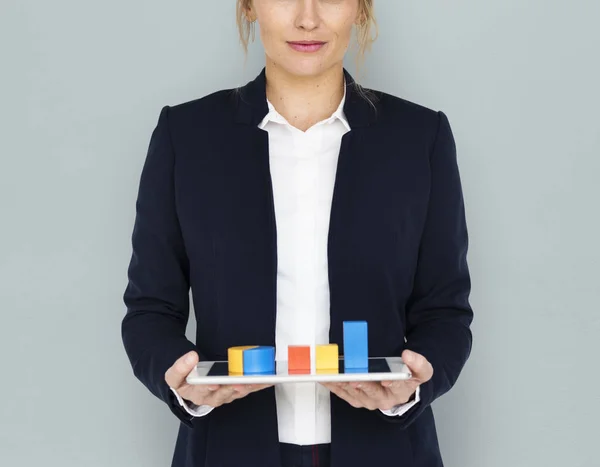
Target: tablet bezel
{"x": 398, "y": 371}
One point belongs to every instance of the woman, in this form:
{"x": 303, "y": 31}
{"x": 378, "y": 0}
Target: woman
{"x": 290, "y": 205}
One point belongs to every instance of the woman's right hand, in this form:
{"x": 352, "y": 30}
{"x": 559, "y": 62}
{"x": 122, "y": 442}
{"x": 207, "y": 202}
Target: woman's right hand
{"x": 202, "y": 394}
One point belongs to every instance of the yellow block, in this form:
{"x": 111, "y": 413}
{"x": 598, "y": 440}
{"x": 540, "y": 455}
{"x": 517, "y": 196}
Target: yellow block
{"x": 235, "y": 357}
{"x": 327, "y": 357}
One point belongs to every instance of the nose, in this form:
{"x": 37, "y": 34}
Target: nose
{"x": 308, "y": 15}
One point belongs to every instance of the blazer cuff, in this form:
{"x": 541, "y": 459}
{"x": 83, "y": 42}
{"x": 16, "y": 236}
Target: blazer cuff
{"x": 401, "y": 409}
{"x": 190, "y": 407}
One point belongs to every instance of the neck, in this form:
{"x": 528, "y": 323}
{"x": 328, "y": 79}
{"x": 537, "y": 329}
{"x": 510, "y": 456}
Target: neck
{"x": 304, "y": 100}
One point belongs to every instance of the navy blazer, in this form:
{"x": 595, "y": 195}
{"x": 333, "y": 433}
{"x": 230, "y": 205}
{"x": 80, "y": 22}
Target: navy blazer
{"x": 397, "y": 247}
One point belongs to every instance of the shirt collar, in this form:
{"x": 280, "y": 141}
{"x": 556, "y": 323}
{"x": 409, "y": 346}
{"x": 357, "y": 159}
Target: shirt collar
{"x": 274, "y": 116}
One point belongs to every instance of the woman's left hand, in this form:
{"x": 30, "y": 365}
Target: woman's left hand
{"x": 387, "y": 394}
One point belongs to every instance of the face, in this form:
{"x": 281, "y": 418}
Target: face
{"x": 305, "y": 37}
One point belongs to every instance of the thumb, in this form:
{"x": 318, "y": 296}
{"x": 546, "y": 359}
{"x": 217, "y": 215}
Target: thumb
{"x": 418, "y": 365}
{"x": 408, "y": 357}
{"x": 175, "y": 376}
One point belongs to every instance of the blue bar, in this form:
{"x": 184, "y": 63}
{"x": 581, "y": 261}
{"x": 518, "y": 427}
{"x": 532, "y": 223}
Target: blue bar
{"x": 259, "y": 360}
{"x": 356, "y": 345}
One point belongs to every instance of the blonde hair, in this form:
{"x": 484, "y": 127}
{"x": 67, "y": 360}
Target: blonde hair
{"x": 366, "y": 32}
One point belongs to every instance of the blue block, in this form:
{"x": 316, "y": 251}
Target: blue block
{"x": 259, "y": 360}
{"x": 356, "y": 344}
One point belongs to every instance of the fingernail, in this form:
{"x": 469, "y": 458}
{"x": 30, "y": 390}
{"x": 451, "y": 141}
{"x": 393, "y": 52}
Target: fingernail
{"x": 189, "y": 358}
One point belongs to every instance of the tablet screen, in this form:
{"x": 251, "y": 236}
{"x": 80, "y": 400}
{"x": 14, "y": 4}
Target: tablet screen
{"x": 376, "y": 365}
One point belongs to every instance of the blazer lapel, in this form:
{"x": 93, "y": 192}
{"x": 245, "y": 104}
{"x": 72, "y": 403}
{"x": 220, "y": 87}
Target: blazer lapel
{"x": 355, "y": 157}
{"x": 360, "y": 116}
{"x": 248, "y": 429}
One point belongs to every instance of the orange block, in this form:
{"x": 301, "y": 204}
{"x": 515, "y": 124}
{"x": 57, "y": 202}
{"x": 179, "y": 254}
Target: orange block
{"x": 299, "y": 359}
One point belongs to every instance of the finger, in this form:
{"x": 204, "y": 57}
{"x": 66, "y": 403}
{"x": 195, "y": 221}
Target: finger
{"x": 334, "y": 387}
{"x": 197, "y": 393}
{"x": 229, "y": 398}
{"x": 420, "y": 367}
{"x": 207, "y": 394}
{"x": 242, "y": 390}
{"x": 346, "y": 392}
{"x": 337, "y": 389}
{"x": 372, "y": 390}
{"x": 241, "y": 387}
{"x": 227, "y": 394}
{"x": 352, "y": 391}
{"x": 260, "y": 387}
{"x": 221, "y": 396}
{"x": 342, "y": 394}
{"x": 248, "y": 388}
{"x": 352, "y": 396}
{"x": 394, "y": 383}
{"x": 176, "y": 374}
{"x": 408, "y": 386}
{"x": 370, "y": 400}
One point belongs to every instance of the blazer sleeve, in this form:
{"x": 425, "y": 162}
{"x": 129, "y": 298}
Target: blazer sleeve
{"x": 157, "y": 293}
{"x": 438, "y": 313}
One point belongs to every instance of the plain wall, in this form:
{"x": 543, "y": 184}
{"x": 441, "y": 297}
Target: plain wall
{"x": 82, "y": 87}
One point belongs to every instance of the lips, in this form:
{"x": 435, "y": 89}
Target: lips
{"x": 307, "y": 46}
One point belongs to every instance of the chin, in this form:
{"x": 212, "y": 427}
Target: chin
{"x": 305, "y": 68}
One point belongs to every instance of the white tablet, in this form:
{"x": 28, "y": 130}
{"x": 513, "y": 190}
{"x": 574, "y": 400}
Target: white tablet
{"x": 380, "y": 369}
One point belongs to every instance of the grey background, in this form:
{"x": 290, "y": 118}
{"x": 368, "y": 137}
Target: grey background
{"x": 82, "y": 86}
